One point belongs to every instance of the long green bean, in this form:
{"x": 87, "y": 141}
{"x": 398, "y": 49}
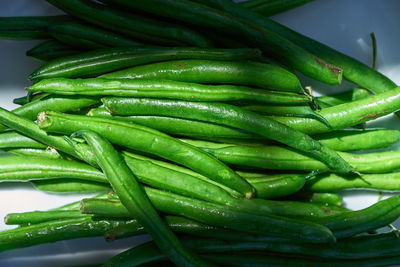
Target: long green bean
{"x": 51, "y": 49}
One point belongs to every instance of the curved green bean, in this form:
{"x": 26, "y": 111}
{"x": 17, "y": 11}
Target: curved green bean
{"x": 231, "y": 116}
{"x": 111, "y": 59}
{"x": 149, "y": 141}
{"x": 210, "y": 71}
{"x": 165, "y": 89}
{"x": 135, "y": 200}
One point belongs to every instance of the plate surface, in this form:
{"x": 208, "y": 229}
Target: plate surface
{"x": 342, "y": 24}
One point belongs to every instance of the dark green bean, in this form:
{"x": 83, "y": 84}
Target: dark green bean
{"x": 283, "y": 158}
{"x": 210, "y": 71}
{"x": 70, "y": 186}
{"x": 231, "y": 116}
{"x": 50, "y": 50}
{"x": 98, "y": 37}
{"x": 130, "y": 24}
{"x": 28, "y": 28}
{"x": 166, "y": 89}
{"x": 246, "y": 30}
{"x": 59, "y": 230}
{"x": 149, "y": 141}
{"x": 53, "y": 102}
{"x": 29, "y": 98}
{"x": 348, "y": 114}
{"x": 136, "y": 201}
{"x": 111, "y": 59}
{"x": 272, "y": 7}
{"x": 326, "y": 101}
{"x": 218, "y": 215}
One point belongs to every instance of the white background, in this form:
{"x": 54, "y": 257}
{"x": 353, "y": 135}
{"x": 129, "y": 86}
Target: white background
{"x": 342, "y": 24}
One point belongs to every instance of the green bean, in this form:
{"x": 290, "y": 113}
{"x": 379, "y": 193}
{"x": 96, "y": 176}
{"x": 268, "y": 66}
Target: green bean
{"x": 283, "y": 158}
{"x": 35, "y": 217}
{"x": 353, "y": 70}
{"x": 164, "y": 89}
{"x": 210, "y": 71}
{"x": 70, "y": 186}
{"x": 149, "y": 141}
{"x": 323, "y": 198}
{"x": 53, "y": 102}
{"x": 231, "y": 116}
{"x": 135, "y": 200}
{"x": 272, "y": 7}
{"x": 28, "y": 28}
{"x": 303, "y": 111}
{"x": 341, "y": 98}
{"x": 18, "y": 168}
{"x": 59, "y": 230}
{"x": 111, "y": 59}
{"x": 35, "y": 152}
{"x": 246, "y": 30}
{"x": 178, "y": 126}
{"x": 332, "y": 182}
{"x": 100, "y": 38}
{"x": 348, "y": 114}
{"x": 12, "y": 139}
{"x": 29, "y": 98}
{"x": 354, "y": 139}
{"x": 50, "y": 50}
{"x": 218, "y": 215}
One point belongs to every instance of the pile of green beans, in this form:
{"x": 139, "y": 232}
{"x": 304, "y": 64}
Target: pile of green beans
{"x": 211, "y": 150}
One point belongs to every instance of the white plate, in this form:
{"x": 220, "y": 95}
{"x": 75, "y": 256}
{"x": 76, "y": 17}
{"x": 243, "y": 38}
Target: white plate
{"x": 342, "y": 24}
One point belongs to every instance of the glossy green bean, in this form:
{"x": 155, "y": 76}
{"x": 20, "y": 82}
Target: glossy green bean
{"x": 354, "y": 139}
{"x": 59, "y": 230}
{"x": 111, "y": 59}
{"x": 231, "y": 116}
{"x": 165, "y": 89}
{"x": 332, "y": 182}
{"x": 53, "y": 102}
{"x": 149, "y": 141}
{"x": 35, "y": 217}
{"x": 327, "y": 198}
{"x": 218, "y": 215}
{"x": 99, "y": 37}
{"x": 23, "y": 168}
{"x": 135, "y": 200}
{"x": 50, "y": 50}
{"x": 303, "y": 111}
{"x": 70, "y": 186}
{"x": 12, "y": 139}
{"x": 348, "y": 114}
{"x": 246, "y": 30}
{"x": 273, "y": 7}
{"x": 28, "y": 28}
{"x": 133, "y": 25}
{"x": 178, "y": 126}
{"x": 341, "y": 98}
{"x": 283, "y": 158}
{"x": 35, "y": 152}
{"x": 210, "y": 71}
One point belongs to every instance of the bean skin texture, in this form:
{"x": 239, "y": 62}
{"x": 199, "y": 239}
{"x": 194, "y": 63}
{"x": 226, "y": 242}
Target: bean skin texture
{"x": 149, "y": 141}
{"x": 221, "y": 22}
{"x": 102, "y": 61}
{"x": 348, "y": 114}
{"x": 210, "y": 71}
{"x": 164, "y": 89}
{"x": 230, "y": 116}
